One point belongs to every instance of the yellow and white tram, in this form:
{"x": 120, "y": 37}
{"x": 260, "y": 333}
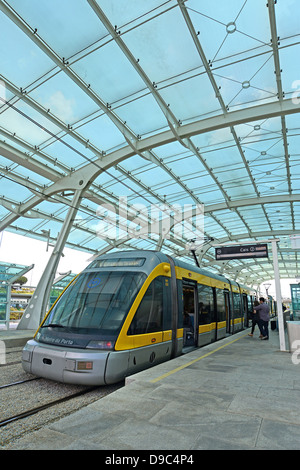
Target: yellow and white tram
{"x": 131, "y": 310}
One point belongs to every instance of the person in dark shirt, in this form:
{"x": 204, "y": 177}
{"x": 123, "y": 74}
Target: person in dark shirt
{"x": 254, "y": 318}
{"x": 263, "y": 311}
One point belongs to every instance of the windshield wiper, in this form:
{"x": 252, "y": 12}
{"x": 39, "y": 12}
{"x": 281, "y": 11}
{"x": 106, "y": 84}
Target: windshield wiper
{"x": 53, "y": 325}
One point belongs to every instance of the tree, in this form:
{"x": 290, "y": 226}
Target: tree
{"x": 21, "y": 280}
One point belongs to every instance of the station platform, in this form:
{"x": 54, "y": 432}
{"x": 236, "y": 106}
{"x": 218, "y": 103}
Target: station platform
{"x": 14, "y": 338}
{"x": 240, "y": 393}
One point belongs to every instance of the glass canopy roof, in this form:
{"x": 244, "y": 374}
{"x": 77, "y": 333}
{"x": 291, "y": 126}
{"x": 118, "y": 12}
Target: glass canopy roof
{"x": 10, "y": 272}
{"x": 153, "y": 106}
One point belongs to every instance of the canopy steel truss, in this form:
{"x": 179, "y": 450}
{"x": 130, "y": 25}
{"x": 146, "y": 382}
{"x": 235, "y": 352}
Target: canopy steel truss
{"x": 201, "y": 120}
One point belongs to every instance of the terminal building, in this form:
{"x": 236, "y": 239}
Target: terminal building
{"x": 170, "y": 128}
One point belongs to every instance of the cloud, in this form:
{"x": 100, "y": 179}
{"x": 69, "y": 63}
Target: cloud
{"x": 61, "y": 107}
{"x": 2, "y": 91}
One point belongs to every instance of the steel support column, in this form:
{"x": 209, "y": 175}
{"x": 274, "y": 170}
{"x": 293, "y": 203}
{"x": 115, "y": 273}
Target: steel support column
{"x": 278, "y": 296}
{"x": 37, "y": 306}
{"x": 8, "y": 304}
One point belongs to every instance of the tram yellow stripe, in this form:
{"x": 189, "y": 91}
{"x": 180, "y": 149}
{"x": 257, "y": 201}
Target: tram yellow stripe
{"x": 205, "y": 328}
{"x": 167, "y": 374}
{"x": 211, "y": 327}
{"x": 125, "y": 341}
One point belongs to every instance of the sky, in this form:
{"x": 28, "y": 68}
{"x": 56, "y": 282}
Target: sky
{"x": 26, "y": 251}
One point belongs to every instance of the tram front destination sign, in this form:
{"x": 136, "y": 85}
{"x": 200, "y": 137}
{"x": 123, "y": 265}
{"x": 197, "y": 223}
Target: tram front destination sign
{"x": 242, "y": 251}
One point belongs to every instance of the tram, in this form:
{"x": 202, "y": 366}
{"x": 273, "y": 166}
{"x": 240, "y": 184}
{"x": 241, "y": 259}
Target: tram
{"x": 131, "y": 310}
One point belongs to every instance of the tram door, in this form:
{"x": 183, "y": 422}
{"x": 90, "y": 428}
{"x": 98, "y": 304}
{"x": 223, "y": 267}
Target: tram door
{"x": 190, "y": 313}
{"x": 227, "y": 310}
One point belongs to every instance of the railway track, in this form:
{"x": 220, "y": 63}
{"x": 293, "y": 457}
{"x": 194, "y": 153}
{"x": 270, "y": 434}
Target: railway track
{"x": 37, "y": 409}
{"x": 10, "y": 363}
{"x": 28, "y": 402}
{"x": 19, "y": 382}
{"x": 9, "y": 354}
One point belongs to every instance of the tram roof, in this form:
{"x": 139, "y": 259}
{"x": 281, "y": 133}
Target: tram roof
{"x": 205, "y": 272}
{"x": 158, "y": 105}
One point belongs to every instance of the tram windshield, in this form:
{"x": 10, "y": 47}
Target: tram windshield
{"x": 95, "y": 303}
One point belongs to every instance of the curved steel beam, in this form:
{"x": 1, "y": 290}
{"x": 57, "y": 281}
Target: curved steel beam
{"x": 87, "y": 174}
{"x": 251, "y": 202}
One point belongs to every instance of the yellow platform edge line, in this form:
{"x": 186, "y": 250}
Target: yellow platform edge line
{"x": 193, "y": 362}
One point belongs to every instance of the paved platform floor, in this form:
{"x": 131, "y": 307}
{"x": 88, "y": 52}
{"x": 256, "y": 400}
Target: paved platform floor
{"x": 240, "y": 393}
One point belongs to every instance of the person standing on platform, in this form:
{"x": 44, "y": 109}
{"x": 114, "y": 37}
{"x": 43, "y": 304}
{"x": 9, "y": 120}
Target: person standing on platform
{"x": 263, "y": 311}
{"x": 254, "y": 318}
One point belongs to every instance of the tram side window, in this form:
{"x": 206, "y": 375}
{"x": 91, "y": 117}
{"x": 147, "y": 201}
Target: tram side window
{"x": 180, "y": 303}
{"x": 237, "y": 308}
{"x": 205, "y": 302}
{"x": 149, "y": 315}
{"x": 167, "y": 304}
{"x": 250, "y": 304}
{"x": 221, "y": 309}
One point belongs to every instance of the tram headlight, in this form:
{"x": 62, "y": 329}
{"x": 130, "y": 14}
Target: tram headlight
{"x": 101, "y": 344}
{"x": 27, "y": 353}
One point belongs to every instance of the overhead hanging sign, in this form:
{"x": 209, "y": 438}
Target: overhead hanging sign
{"x": 241, "y": 252}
